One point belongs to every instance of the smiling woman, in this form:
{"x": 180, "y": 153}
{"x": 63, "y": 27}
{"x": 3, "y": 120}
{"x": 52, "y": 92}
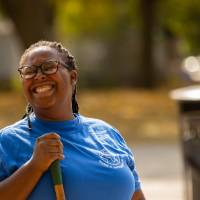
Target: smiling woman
{"x": 95, "y": 161}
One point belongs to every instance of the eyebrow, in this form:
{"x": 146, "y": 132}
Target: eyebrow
{"x": 26, "y": 65}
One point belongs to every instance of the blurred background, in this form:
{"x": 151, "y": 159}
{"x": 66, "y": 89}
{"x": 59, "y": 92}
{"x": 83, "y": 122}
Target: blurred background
{"x": 130, "y": 54}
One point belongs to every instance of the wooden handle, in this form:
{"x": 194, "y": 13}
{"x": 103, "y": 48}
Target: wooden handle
{"x": 57, "y": 180}
{"x": 60, "y": 194}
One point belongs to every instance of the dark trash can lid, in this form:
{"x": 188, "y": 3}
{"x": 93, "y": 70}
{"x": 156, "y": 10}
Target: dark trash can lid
{"x": 190, "y": 93}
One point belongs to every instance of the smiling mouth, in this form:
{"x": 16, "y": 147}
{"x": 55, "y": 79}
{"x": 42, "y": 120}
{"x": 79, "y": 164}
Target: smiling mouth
{"x": 42, "y": 89}
{"x": 45, "y": 89}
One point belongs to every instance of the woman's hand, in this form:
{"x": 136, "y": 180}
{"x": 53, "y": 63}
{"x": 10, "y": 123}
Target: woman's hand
{"x": 138, "y": 195}
{"x": 48, "y": 148}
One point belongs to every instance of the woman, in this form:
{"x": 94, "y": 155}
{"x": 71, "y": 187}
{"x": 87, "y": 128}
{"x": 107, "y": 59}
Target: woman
{"x": 95, "y": 161}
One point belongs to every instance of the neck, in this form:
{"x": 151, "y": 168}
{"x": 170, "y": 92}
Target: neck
{"x": 48, "y": 114}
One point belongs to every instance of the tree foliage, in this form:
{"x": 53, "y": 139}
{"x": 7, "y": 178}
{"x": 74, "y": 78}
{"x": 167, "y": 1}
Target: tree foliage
{"x": 110, "y": 20}
{"x": 182, "y": 18}
{"x": 100, "y": 18}
{"x": 105, "y": 18}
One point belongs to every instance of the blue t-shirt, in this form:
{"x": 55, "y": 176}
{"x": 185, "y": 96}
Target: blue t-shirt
{"x": 98, "y": 165}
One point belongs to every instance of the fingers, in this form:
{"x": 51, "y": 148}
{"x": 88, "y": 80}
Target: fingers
{"x": 57, "y": 157}
{"x": 47, "y": 149}
{"x": 51, "y": 139}
{"x": 54, "y": 142}
{"x": 49, "y": 136}
{"x": 54, "y": 149}
{"x": 51, "y": 144}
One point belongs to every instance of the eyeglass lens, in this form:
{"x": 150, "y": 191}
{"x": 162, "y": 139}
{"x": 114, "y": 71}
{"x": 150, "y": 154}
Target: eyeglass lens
{"x": 47, "y": 68}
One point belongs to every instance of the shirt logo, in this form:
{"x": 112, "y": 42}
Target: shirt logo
{"x": 109, "y": 160}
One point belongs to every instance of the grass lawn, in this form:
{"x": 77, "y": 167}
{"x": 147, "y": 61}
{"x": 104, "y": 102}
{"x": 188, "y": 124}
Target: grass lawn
{"x": 140, "y": 115}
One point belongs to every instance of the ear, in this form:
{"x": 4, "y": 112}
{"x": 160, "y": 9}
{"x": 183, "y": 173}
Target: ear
{"x": 74, "y": 76}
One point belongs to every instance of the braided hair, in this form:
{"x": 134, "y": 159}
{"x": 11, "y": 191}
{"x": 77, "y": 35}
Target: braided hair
{"x": 68, "y": 60}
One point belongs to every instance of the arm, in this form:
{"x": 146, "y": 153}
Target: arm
{"x": 138, "y": 195}
{"x": 19, "y": 185}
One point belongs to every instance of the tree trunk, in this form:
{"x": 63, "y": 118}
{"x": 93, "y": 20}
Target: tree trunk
{"x": 148, "y": 11}
{"x": 33, "y": 19}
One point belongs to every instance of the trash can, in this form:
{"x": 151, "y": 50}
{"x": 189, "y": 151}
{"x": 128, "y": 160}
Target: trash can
{"x": 188, "y": 100}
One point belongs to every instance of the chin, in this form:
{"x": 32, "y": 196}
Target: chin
{"x": 43, "y": 105}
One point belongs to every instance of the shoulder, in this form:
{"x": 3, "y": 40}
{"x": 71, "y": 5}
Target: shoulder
{"x": 100, "y": 126}
{"x": 108, "y": 134}
{"x": 14, "y": 139}
{"x": 93, "y": 121}
{"x": 12, "y": 130}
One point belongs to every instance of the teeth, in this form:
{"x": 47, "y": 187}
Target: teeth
{"x": 43, "y": 88}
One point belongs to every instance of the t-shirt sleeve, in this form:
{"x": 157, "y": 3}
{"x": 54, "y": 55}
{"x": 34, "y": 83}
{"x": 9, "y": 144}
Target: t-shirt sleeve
{"x": 130, "y": 159}
{"x": 131, "y": 164}
{"x": 3, "y": 173}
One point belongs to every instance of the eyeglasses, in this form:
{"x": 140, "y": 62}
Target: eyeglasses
{"x": 47, "y": 68}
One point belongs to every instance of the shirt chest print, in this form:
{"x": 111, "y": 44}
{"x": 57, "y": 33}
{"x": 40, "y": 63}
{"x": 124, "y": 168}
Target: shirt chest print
{"x": 109, "y": 160}
{"x": 106, "y": 158}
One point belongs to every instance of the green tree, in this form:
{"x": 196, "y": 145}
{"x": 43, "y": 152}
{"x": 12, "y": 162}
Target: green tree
{"x": 93, "y": 17}
{"x": 110, "y": 20}
{"x": 181, "y": 18}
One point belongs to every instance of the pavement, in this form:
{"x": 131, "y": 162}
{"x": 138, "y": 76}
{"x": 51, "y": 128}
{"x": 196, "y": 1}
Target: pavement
{"x": 160, "y": 168}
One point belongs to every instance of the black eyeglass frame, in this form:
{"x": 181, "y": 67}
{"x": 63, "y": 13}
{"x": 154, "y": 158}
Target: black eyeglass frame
{"x": 41, "y": 69}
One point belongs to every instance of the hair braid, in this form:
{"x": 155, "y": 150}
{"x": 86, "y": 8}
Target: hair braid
{"x": 75, "y": 106}
{"x": 29, "y": 110}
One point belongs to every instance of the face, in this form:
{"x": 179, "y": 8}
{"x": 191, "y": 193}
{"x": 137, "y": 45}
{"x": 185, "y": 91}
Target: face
{"x": 48, "y": 91}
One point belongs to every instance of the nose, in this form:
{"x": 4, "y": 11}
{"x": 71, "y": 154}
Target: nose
{"x": 39, "y": 75}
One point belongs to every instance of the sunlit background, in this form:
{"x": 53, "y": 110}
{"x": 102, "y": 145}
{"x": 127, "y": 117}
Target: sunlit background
{"x": 131, "y": 54}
